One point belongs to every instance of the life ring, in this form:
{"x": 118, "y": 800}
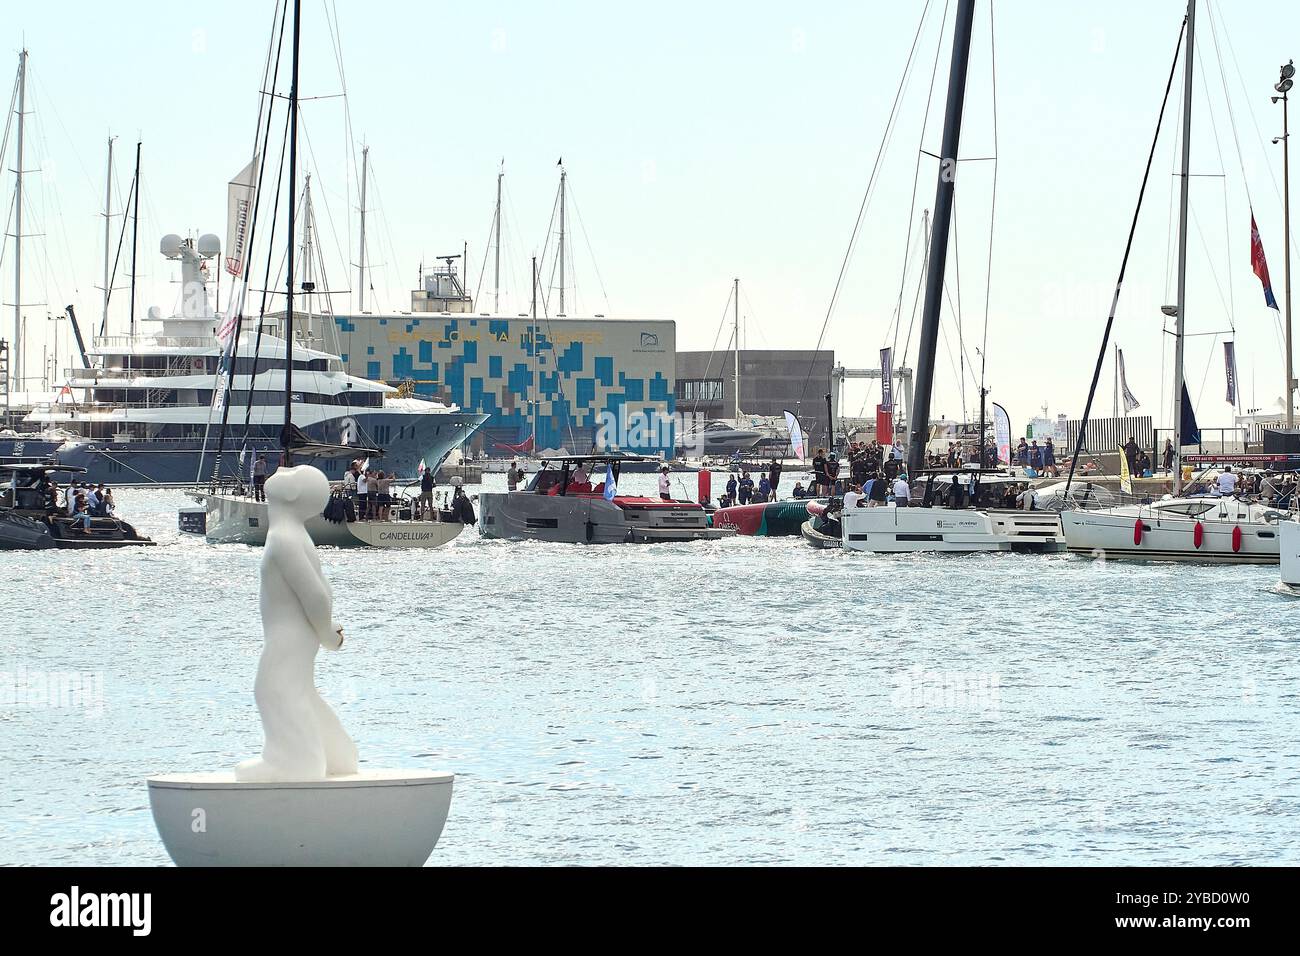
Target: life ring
{"x": 1198, "y": 534}
{"x": 1137, "y": 532}
{"x": 1236, "y": 537}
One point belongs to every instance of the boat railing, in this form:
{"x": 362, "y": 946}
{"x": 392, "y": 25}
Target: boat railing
{"x": 130, "y": 342}
{"x": 96, "y": 375}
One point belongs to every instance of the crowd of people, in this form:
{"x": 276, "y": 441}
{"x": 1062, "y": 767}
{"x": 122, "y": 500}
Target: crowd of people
{"x": 1037, "y": 459}
{"x": 370, "y": 493}
{"x": 741, "y": 489}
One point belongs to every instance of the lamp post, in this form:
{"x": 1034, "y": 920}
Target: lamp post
{"x": 1283, "y": 86}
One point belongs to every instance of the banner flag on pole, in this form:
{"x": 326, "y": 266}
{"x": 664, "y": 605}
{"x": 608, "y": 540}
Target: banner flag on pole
{"x": 1190, "y": 431}
{"x": 1002, "y": 433}
{"x": 1230, "y": 370}
{"x": 239, "y": 212}
{"x": 1125, "y": 476}
{"x": 611, "y": 482}
{"x": 886, "y": 378}
{"x": 1130, "y": 400}
{"x": 1259, "y": 264}
{"x": 796, "y": 434}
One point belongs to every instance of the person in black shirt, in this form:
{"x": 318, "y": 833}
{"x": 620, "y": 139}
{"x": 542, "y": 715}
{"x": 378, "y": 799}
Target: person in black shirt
{"x": 819, "y": 472}
{"x": 774, "y": 477}
{"x": 427, "y": 483}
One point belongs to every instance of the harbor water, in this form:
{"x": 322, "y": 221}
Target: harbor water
{"x": 733, "y": 702}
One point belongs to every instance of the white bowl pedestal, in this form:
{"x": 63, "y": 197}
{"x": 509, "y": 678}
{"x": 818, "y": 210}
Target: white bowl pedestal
{"x": 372, "y": 818}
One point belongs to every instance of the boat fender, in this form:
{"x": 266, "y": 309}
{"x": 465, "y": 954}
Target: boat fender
{"x": 591, "y": 530}
{"x": 1137, "y": 532}
{"x": 1198, "y": 534}
{"x": 1236, "y": 537}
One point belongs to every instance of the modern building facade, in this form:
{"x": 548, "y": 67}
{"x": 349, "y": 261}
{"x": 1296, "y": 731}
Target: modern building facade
{"x": 771, "y": 381}
{"x": 581, "y": 374}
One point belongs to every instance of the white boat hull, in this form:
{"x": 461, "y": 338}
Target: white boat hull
{"x": 891, "y": 530}
{"x": 1112, "y": 535}
{"x": 233, "y": 519}
{"x": 1289, "y": 552}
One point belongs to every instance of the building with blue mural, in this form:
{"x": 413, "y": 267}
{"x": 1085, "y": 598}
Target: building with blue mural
{"x": 559, "y": 379}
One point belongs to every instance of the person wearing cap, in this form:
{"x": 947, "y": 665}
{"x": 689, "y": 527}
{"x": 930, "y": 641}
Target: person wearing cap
{"x": 902, "y": 491}
{"x": 663, "y": 484}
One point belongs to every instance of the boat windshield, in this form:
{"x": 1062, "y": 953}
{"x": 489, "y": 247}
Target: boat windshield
{"x": 1190, "y": 508}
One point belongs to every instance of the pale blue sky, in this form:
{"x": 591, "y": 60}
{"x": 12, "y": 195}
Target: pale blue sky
{"x": 703, "y": 141}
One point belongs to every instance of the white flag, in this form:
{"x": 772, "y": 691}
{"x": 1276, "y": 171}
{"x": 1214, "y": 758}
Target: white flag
{"x": 796, "y": 434}
{"x": 1130, "y": 400}
{"x": 239, "y": 213}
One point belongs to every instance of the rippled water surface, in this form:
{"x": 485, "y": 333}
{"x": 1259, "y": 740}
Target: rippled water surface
{"x": 741, "y": 701}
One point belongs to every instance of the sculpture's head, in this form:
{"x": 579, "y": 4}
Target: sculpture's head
{"x": 301, "y": 490}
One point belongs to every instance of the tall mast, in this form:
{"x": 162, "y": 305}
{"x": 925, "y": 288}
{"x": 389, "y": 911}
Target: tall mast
{"x": 1283, "y": 86}
{"x": 735, "y": 371}
{"x": 929, "y": 341}
{"x": 1115, "y": 406}
{"x": 563, "y": 175}
{"x": 1180, "y": 321}
{"x": 496, "y": 228}
{"x": 135, "y": 232}
{"x": 18, "y": 227}
{"x": 286, "y": 434}
{"x": 533, "y": 403}
{"x": 308, "y": 230}
{"x": 108, "y": 241}
{"x": 361, "y": 262}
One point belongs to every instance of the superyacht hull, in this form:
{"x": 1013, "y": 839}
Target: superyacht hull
{"x": 185, "y": 461}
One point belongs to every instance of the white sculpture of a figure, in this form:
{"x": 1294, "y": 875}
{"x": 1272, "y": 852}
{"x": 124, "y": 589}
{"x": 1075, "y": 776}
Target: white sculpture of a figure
{"x": 304, "y": 738}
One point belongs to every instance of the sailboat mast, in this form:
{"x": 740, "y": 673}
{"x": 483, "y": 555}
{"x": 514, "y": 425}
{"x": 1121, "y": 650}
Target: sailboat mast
{"x": 18, "y": 227}
{"x": 1115, "y": 407}
{"x": 286, "y": 435}
{"x": 135, "y": 232}
{"x": 108, "y": 241}
{"x": 1180, "y": 321}
{"x": 496, "y": 228}
{"x": 735, "y": 373}
{"x": 929, "y": 341}
{"x": 361, "y": 261}
{"x": 533, "y": 403}
{"x": 563, "y": 176}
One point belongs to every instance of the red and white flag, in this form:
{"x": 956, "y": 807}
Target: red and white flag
{"x": 1259, "y": 264}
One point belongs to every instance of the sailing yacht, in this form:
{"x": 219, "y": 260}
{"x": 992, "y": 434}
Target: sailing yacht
{"x": 1224, "y": 530}
{"x": 147, "y": 412}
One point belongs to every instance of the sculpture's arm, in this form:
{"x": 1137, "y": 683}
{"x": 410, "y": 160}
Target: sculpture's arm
{"x": 313, "y": 593}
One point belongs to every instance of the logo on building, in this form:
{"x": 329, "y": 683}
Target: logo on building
{"x": 649, "y": 340}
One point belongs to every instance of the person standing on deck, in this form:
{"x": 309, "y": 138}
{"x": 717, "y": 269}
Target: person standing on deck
{"x": 745, "y": 488}
{"x": 764, "y": 489}
{"x": 731, "y": 488}
{"x": 259, "y": 478}
{"x": 1169, "y": 454}
{"x": 426, "y": 493}
{"x": 1131, "y": 450}
{"x": 902, "y": 491}
{"x": 1049, "y": 459}
{"x": 774, "y": 476}
{"x": 853, "y": 498}
{"x": 819, "y": 472}
{"x": 663, "y": 484}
